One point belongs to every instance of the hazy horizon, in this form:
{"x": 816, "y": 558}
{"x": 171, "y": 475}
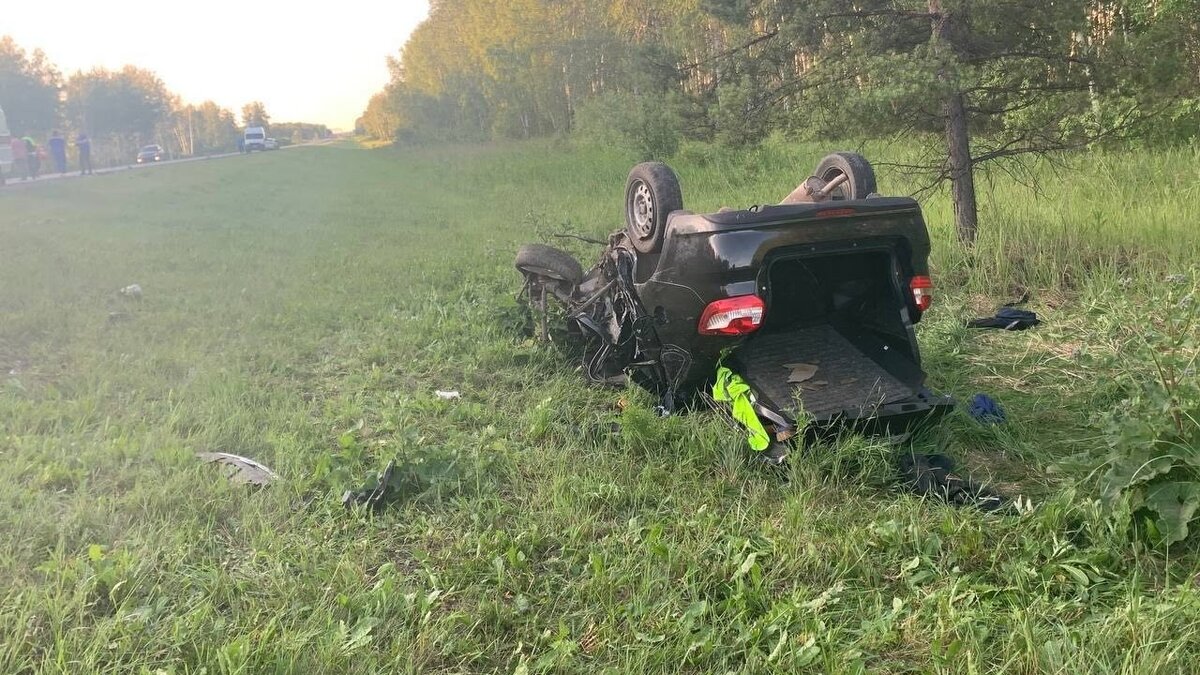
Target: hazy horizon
{"x": 305, "y": 66}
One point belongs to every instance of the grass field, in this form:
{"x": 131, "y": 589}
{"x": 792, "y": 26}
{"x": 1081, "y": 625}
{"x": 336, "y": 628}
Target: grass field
{"x": 302, "y": 307}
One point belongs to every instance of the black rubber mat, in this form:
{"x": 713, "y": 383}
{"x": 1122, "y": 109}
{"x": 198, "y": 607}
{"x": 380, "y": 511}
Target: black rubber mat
{"x": 847, "y": 382}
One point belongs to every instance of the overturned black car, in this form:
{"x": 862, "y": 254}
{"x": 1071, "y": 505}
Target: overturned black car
{"x": 812, "y": 302}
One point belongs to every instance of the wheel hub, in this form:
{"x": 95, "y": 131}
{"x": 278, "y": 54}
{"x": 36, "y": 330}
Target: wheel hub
{"x": 641, "y": 207}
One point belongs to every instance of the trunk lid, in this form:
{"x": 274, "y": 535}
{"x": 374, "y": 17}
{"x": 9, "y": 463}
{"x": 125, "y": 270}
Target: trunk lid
{"x": 837, "y": 341}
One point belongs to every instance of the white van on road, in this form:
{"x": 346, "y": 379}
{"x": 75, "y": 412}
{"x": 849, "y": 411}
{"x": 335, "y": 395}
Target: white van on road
{"x": 255, "y": 139}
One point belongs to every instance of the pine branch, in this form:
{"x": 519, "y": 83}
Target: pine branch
{"x": 1041, "y": 56}
{"x": 729, "y": 52}
{"x": 872, "y": 13}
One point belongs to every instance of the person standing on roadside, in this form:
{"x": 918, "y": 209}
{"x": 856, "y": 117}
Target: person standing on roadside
{"x": 33, "y": 157}
{"x": 58, "y": 151}
{"x": 84, "y": 145}
{"x": 20, "y": 153}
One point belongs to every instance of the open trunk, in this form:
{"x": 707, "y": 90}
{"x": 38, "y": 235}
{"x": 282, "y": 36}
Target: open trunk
{"x": 847, "y": 314}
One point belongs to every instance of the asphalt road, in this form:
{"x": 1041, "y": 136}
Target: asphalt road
{"x": 11, "y": 181}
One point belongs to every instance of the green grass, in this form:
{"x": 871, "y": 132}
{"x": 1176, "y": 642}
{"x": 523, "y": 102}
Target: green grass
{"x": 302, "y": 307}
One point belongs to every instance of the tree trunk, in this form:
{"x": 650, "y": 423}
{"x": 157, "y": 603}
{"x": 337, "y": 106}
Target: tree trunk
{"x": 568, "y": 72}
{"x": 962, "y": 171}
{"x": 949, "y": 41}
{"x": 567, "y": 94}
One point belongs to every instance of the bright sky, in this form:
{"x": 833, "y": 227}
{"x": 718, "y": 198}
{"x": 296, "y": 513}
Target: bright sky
{"x": 307, "y": 64}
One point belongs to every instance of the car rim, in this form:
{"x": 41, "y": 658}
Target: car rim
{"x": 641, "y": 211}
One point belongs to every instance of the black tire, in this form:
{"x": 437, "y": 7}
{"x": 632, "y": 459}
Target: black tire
{"x": 548, "y": 261}
{"x": 856, "y": 168}
{"x": 651, "y": 194}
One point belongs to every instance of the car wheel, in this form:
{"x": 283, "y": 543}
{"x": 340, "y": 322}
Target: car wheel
{"x": 547, "y": 261}
{"x": 652, "y": 192}
{"x": 860, "y": 177}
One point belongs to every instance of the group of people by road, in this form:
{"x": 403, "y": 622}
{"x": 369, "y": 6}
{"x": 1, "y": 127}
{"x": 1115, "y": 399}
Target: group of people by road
{"x": 28, "y": 155}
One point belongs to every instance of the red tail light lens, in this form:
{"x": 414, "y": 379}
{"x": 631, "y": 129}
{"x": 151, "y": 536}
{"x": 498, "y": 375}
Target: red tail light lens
{"x": 922, "y": 292}
{"x": 740, "y": 315}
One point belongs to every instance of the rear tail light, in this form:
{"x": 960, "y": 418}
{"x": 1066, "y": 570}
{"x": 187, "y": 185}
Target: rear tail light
{"x": 922, "y": 292}
{"x": 740, "y": 315}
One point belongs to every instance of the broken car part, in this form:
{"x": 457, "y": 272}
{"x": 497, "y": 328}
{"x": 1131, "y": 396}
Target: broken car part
{"x": 1007, "y": 318}
{"x": 240, "y": 469}
{"x": 375, "y": 493}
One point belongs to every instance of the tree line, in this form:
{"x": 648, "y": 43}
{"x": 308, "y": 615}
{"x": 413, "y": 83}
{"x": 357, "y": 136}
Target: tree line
{"x": 992, "y": 80}
{"x": 122, "y": 110}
